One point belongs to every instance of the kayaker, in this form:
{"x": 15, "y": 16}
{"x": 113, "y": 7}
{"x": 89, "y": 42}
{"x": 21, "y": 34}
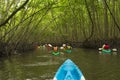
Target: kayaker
{"x": 55, "y": 49}
{"x": 64, "y": 46}
{"x": 69, "y": 47}
{"x": 48, "y": 46}
{"x": 105, "y": 47}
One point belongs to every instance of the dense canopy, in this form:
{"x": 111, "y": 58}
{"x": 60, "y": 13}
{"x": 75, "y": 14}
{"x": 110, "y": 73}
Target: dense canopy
{"x": 24, "y": 22}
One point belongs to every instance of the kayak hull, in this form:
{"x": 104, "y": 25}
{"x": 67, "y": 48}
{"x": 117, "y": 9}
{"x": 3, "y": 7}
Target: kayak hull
{"x": 68, "y": 71}
{"x": 56, "y": 53}
{"x": 68, "y": 51}
{"x": 106, "y": 51}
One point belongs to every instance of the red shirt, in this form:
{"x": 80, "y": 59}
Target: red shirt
{"x": 106, "y": 47}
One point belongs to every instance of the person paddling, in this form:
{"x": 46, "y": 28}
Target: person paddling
{"x": 106, "y": 47}
{"x": 49, "y": 47}
{"x": 55, "y": 49}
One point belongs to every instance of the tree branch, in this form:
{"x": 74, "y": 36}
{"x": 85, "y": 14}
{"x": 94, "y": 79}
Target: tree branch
{"x": 112, "y": 16}
{"x": 89, "y": 13}
{"x": 14, "y": 12}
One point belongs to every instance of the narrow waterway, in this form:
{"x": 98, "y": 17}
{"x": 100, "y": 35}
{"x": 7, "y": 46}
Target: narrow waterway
{"x": 41, "y": 65}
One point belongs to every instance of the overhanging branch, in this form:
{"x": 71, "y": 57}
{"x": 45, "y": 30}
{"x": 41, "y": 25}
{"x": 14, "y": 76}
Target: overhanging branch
{"x": 13, "y": 13}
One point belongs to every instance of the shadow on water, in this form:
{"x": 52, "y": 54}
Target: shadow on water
{"x": 41, "y": 65}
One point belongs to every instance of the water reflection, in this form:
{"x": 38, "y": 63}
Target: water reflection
{"x": 11, "y": 70}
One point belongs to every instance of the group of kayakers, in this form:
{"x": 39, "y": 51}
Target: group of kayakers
{"x": 56, "y": 49}
{"x": 66, "y": 47}
{"x": 50, "y": 47}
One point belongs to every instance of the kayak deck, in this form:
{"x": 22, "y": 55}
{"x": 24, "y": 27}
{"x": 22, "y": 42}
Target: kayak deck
{"x": 68, "y": 71}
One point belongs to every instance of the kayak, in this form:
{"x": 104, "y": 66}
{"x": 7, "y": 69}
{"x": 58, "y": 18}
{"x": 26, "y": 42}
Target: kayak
{"x": 106, "y": 51}
{"x": 68, "y": 71}
{"x": 114, "y": 49}
{"x": 68, "y": 51}
{"x": 55, "y": 53}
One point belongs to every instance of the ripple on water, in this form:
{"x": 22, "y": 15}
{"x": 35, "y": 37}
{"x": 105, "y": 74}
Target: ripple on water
{"x": 45, "y": 56}
{"x": 43, "y": 63}
{"x": 47, "y": 76}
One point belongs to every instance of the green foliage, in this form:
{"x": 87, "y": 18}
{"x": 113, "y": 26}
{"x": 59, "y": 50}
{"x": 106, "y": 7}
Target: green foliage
{"x": 52, "y": 20}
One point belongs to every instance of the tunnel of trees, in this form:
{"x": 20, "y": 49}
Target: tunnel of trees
{"x": 24, "y": 23}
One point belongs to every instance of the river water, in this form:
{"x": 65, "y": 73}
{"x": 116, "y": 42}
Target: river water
{"x": 41, "y": 65}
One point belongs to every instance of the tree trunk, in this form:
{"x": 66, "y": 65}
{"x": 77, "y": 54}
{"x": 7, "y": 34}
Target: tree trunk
{"x": 105, "y": 20}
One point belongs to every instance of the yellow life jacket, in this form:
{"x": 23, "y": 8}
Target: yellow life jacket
{"x": 69, "y": 47}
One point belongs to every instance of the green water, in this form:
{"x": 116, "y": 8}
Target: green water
{"x": 41, "y": 65}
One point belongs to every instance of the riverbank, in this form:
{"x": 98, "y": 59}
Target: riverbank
{"x": 7, "y": 50}
{"x": 10, "y": 49}
{"x": 95, "y": 44}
